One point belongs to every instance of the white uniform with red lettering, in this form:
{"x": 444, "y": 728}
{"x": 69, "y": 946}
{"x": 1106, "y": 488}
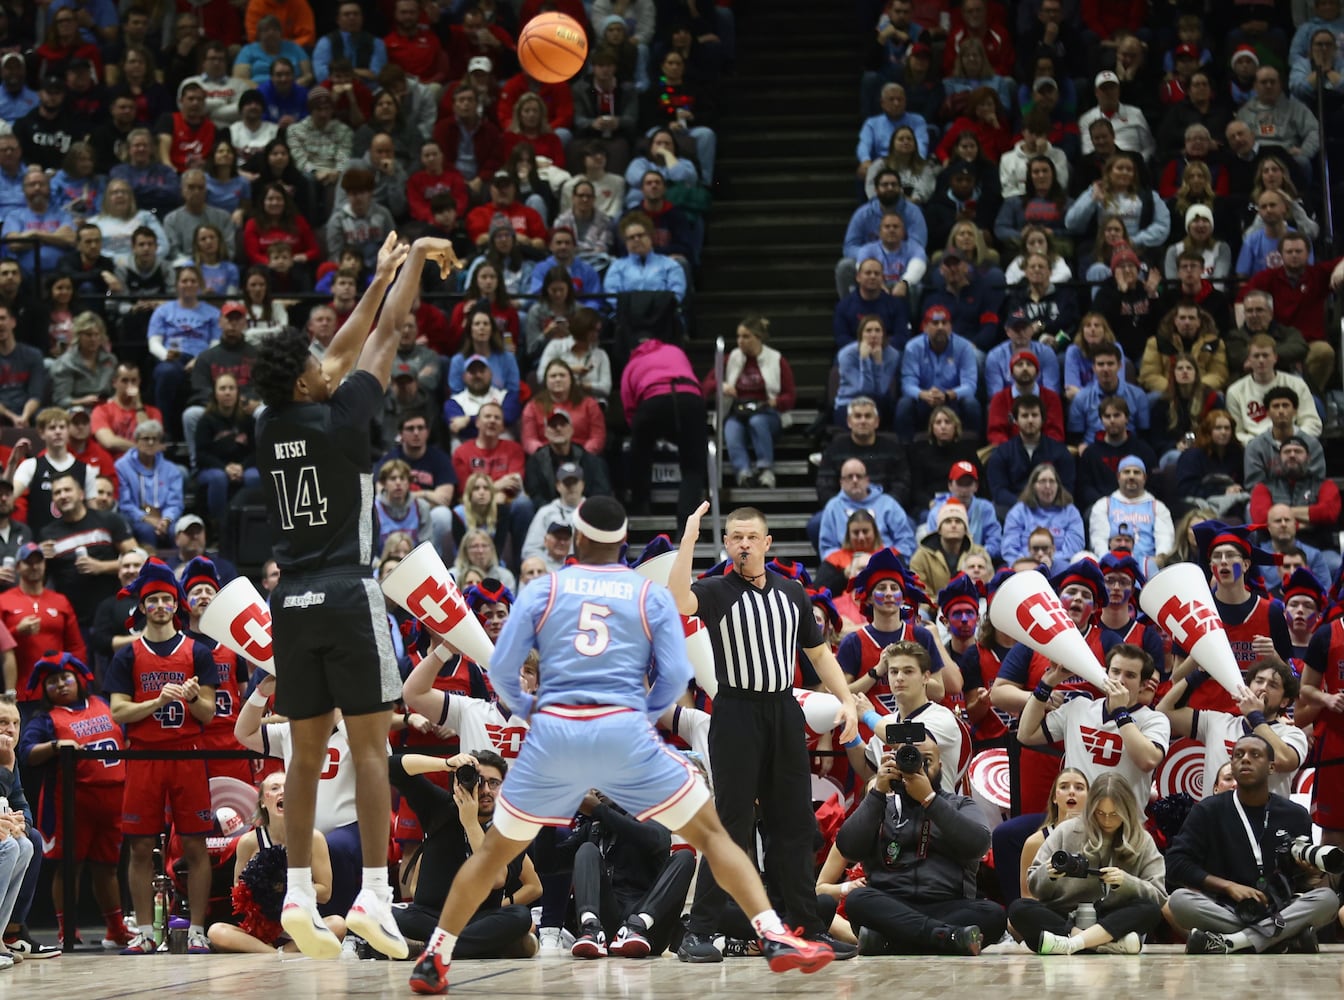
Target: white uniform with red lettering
{"x": 1093, "y": 744}
{"x": 1219, "y": 732}
{"x": 336, "y": 785}
{"x": 481, "y": 725}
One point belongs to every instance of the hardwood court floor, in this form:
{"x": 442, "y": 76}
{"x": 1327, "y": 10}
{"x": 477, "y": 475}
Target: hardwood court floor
{"x": 1162, "y": 972}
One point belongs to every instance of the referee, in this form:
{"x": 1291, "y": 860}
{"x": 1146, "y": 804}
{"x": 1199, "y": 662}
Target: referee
{"x": 757, "y": 621}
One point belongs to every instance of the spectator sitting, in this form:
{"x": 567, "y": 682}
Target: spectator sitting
{"x": 858, "y": 493}
{"x": 1052, "y": 311}
{"x": 918, "y": 174}
{"x": 23, "y": 375}
{"x": 1278, "y": 119}
{"x": 1198, "y": 148}
{"x": 968, "y": 69}
{"x": 963, "y": 481}
{"x": 1044, "y": 504}
{"x": 1132, "y": 133}
{"x": 566, "y": 495}
{"x": 583, "y": 276}
{"x": 504, "y": 461}
{"x": 1262, "y": 451}
{"x": 1038, "y": 239}
{"x": 959, "y": 199}
{"x": 937, "y": 368}
{"x": 562, "y": 399}
{"x": 1101, "y": 457}
{"x": 1315, "y": 499}
{"x": 320, "y": 144}
{"x": 1263, "y": 244}
{"x": 865, "y": 225}
{"x": 155, "y": 185}
{"x": 476, "y": 555}
{"x": 179, "y": 331}
{"x": 483, "y": 340}
{"x": 1014, "y": 165}
{"x": 1281, "y": 531}
{"x": 759, "y": 393}
{"x": 1246, "y": 397}
{"x": 83, "y": 374}
{"x": 359, "y": 222}
{"x": 539, "y": 475}
{"x": 661, "y": 159}
{"x": 970, "y": 297}
{"x": 870, "y": 297}
{"x": 943, "y": 446}
{"x": 1042, "y": 204}
{"x": 903, "y": 263}
{"x": 1026, "y": 382}
{"x": 940, "y": 553}
{"x": 876, "y": 134}
{"x": 862, "y": 539}
{"x": 38, "y": 232}
{"x": 685, "y": 107}
{"x": 526, "y": 223}
{"x": 1020, "y": 331}
{"x": 115, "y": 420}
{"x": 485, "y": 290}
{"x": 1119, "y": 192}
{"x": 1272, "y": 174}
{"x": 478, "y": 510}
{"x": 869, "y": 367}
{"x": 981, "y": 114}
{"x": 1209, "y": 471}
{"x": 883, "y": 456}
{"x": 1180, "y": 407}
{"x": 1188, "y": 266}
{"x": 278, "y": 221}
{"x": 549, "y": 317}
{"x": 579, "y": 349}
{"x": 1093, "y": 331}
{"x": 397, "y": 507}
{"x": 1084, "y": 422}
{"x": 225, "y": 446}
{"x": 643, "y": 269}
{"x": 1187, "y": 330}
{"x": 1148, "y": 518}
{"x": 922, "y": 81}
{"x": 151, "y": 487}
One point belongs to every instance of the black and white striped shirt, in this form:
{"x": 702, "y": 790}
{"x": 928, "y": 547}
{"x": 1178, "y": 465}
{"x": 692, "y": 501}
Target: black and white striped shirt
{"x": 757, "y": 633}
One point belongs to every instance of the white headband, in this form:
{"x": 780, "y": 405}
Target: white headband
{"x": 611, "y": 537}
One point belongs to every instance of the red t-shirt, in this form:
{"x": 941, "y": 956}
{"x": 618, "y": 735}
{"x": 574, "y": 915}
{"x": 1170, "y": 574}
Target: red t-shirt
{"x": 499, "y": 461}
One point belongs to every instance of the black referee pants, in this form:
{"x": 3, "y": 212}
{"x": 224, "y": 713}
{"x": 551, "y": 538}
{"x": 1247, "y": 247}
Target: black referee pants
{"x": 758, "y": 753}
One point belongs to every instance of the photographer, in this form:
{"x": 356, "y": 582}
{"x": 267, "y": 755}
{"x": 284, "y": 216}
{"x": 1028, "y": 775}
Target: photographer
{"x": 1241, "y": 887}
{"x": 454, "y": 821}
{"x": 920, "y": 849}
{"x": 906, "y": 668}
{"x": 1098, "y": 880}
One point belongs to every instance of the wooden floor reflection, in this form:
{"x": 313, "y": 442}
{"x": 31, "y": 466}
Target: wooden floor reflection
{"x": 1161, "y": 972}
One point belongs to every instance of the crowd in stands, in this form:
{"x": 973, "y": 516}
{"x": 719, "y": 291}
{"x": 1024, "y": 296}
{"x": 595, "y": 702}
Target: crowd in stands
{"x": 1081, "y": 319}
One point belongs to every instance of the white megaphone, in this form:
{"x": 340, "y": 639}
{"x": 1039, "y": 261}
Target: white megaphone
{"x": 239, "y": 620}
{"x": 1178, "y": 599}
{"x": 422, "y": 586}
{"x": 1027, "y": 608}
{"x": 698, "y": 648}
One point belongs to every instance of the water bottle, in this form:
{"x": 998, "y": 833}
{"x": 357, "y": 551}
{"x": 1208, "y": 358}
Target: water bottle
{"x": 178, "y": 928}
{"x": 81, "y": 552}
{"x": 1084, "y": 916}
{"x": 162, "y": 887}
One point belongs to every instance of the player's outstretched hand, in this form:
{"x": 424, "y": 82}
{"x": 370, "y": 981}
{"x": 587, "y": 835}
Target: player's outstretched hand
{"x": 692, "y": 530}
{"x": 441, "y": 250}
{"x": 391, "y": 255}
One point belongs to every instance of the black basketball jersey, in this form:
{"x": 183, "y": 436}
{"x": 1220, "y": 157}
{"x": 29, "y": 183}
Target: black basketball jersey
{"x": 39, "y": 489}
{"x": 315, "y": 469}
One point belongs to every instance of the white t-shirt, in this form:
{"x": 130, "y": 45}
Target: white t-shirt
{"x": 23, "y": 475}
{"x": 1219, "y": 732}
{"x": 481, "y": 725}
{"x": 946, "y": 732}
{"x": 335, "y": 786}
{"x": 1094, "y": 745}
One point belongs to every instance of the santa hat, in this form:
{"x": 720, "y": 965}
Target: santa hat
{"x": 155, "y": 578}
{"x": 961, "y": 590}
{"x": 200, "y": 570}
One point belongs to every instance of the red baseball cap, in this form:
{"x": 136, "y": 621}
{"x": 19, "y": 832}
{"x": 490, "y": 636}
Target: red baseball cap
{"x": 960, "y": 469}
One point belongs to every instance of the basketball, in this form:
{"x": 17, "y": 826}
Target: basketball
{"x": 552, "y": 48}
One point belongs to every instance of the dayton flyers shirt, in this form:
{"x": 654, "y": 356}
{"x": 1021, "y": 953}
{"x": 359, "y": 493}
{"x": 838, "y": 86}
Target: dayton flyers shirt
{"x": 1219, "y": 733}
{"x": 336, "y": 783}
{"x": 1093, "y": 744}
{"x": 481, "y": 725}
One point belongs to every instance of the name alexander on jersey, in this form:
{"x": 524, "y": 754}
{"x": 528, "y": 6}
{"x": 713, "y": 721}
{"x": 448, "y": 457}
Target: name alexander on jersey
{"x": 588, "y": 587}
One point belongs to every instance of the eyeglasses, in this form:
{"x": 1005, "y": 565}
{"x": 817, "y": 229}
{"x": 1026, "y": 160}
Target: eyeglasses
{"x": 854, "y": 476}
{"x": 1107, "y": 815}
{"x": 491, "y": 783}
{"x": 636, "y": 234}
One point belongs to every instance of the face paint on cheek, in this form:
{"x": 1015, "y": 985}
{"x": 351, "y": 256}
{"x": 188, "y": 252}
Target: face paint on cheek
{"x": 1236, "y": 571}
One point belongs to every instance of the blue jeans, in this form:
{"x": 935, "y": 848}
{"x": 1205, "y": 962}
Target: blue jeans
{"x": 217, "y": 488}
{"x": 16, "y": 855}
{"x": 762, "y": 429}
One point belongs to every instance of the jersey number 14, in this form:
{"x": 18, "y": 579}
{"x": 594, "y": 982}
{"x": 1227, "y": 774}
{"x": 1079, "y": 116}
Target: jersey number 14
{"x": 300, "y": 498}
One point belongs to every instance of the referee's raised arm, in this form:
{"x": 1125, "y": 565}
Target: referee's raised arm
{"x": 679, "y": 579}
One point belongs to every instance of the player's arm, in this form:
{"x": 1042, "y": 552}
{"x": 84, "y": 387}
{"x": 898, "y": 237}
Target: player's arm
{"x": 375, "y": 357}
{"x": 516, "y": 639}
{"x": 349, "y": 340}
{"x": 679, "y": 578}
{"x": 828, "y": 669}
{"x": 669, "y": 652}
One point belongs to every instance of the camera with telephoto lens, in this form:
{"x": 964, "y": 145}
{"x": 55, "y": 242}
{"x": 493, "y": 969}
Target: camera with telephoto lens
{"x": 904, "y": 736}
{"x": 1072, "y": 865}
{"x": 466, "y": 777}
{"x": 1321, "y": 857}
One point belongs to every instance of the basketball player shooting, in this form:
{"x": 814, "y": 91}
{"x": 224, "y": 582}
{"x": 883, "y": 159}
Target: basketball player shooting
{"x": 328, "y": 622}
{"x": 602, "y": 631}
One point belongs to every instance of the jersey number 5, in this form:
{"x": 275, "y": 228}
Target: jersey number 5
{"x": 301, "y": 498}
{"x": 594, "y": 636}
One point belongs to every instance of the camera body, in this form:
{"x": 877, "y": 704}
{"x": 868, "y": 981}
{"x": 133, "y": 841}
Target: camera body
{"x": 904, "y": 736}
{"x": 466, "y": 777}
{"x": 1072, "y": 865}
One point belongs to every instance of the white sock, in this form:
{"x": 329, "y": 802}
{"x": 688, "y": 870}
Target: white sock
{"x": 441, "y": 943}
{"x": 300, "y": 882}
{"x": 587, "y": 916}
{"x": 147, "y": 930}
{"x": 375, "y": 879}
{"x": 1239, "y": 941}
{"x": 644, "y": 919}
{"x": 767, "y": 922}
{"x": 196, "y": 929}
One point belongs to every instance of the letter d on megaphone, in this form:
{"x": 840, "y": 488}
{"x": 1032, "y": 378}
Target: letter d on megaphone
{"x": 1179, "y": 600}
{"x": 422, "y": 585}
{"x": 1027, "y": 609}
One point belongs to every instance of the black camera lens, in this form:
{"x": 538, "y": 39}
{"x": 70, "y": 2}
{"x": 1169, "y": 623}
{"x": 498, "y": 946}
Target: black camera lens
{"x": 466, "y": 777}
{"x": 909, "y": 759}
{"x": 1070, "y": 865}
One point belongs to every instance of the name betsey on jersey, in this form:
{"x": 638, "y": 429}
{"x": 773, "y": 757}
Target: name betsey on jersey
{"x": 291, "y": 449}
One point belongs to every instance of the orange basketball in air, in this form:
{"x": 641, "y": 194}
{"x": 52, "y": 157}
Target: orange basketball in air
{"x": 552, "y": 48}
